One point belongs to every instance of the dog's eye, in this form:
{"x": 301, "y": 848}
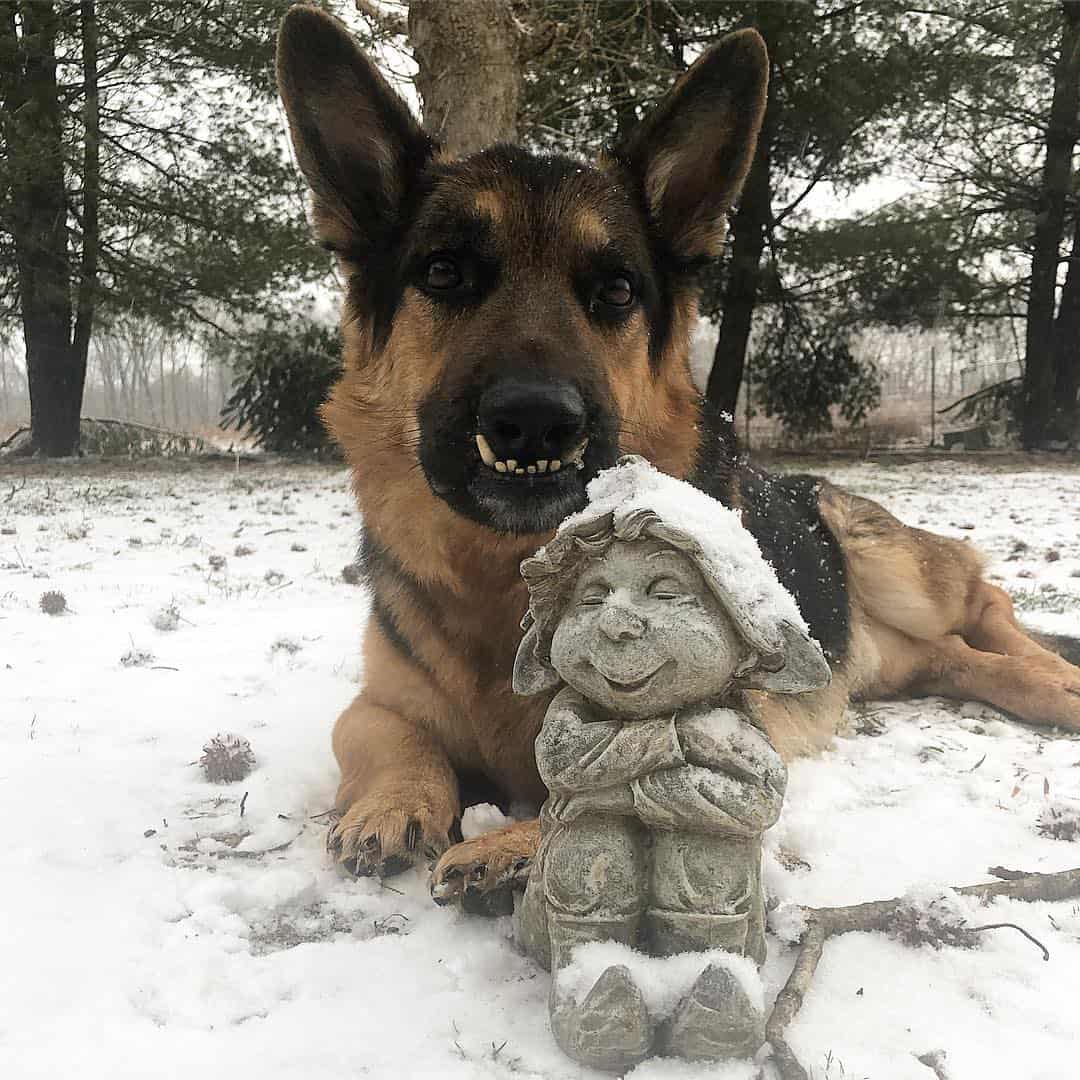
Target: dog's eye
{"x": 442, "y": 273}
{"x": 593, "y": 597}
{"x": 616, "y": 291}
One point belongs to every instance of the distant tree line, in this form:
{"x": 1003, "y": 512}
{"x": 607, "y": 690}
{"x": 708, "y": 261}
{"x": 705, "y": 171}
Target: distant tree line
{"x": 146, "y": 177}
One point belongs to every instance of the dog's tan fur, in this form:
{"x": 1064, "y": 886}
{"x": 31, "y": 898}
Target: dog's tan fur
{"x": 403, "y": 741}
{"x": 922, "y": 620}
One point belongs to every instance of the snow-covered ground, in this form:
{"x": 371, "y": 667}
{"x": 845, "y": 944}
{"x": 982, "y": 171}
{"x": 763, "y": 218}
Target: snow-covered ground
{"x": 155, "y": 925}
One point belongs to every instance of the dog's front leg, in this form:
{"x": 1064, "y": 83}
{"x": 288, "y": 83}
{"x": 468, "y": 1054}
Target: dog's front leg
{"x": 398, "y": 796}
{"x": 491, "y": 862}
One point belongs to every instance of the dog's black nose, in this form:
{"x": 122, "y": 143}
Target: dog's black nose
{"x": 532, "y": 421}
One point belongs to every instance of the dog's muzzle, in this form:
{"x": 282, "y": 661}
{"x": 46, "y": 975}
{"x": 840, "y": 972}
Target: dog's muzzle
{"x": 531, "y": 427}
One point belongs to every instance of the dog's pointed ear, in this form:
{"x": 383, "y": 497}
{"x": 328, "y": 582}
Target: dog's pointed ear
{"x": 355, "y": 139}
{"x": 692, "y": 153}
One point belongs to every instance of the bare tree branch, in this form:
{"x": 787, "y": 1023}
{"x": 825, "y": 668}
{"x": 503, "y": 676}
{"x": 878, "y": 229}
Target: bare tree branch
{"x": 390, "y": 23}
{"x": 881, "y": 915}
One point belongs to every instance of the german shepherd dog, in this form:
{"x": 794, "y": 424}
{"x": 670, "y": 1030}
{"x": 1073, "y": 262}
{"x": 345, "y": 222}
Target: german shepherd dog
{"x": 512, "y": 323}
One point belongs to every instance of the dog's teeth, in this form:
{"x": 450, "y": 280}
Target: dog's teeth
{"x": 576, "y": 454}
{"x": 500, "y": 466}
{"x": 541, "y": 466}
{"x": 555, "y": 466}
{"x": 519, "y": 472}
{"x": 487, "y": 455}
{"x": 531, "y": 469}
{"x": 511, "y": 465}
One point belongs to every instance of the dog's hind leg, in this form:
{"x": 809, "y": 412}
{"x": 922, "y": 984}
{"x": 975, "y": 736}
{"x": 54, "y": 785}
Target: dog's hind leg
{"x": 991, "y": 625}
{"x": 999, "y": 662}
{"x": 937, "y": 626}
{"x": 1039, "y": 688}
{"x": 398, "y": 796}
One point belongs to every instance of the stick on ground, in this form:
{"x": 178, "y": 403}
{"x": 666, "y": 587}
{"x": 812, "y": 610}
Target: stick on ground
{"x": 879, "y": 915}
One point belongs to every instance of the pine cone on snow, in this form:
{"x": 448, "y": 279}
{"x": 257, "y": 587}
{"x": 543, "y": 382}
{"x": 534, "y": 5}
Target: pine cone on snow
{"x": 53, "y": 603}
{"x": 227, "y": 758}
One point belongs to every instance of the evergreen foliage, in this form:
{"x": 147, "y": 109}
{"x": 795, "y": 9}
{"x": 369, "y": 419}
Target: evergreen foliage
{"x": 953, "y": 98}
{"x": 283, "y": 374}
{"x": 804, "y": 370}
{"x": 145, "y": 174}
{"x": 845, "y": 81}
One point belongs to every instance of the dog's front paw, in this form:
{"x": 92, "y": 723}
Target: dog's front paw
{"x": 389, "y": 829}
{"x": 492, "y": 863}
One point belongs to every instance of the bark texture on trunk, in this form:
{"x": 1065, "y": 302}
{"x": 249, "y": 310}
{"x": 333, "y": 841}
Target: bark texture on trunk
{"x": 85, "y": 303}
{"x": 1061, "y": 135}
{"x": 750, "y": 228}
{"x": 470, "y": 71}
{"x": 1067, "y": 344}
{"x": 33, "y": 140}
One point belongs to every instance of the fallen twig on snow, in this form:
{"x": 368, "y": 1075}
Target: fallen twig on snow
{"x": 229, "y": 850}
{"x": 1006, "y": 874}
{"x": 789, "y": 1001}
{"x": 1012, "y": 926}
{"x": 232, "y": 853}
{"x": 881, "y": 915}
{"x": 13, "y": 436}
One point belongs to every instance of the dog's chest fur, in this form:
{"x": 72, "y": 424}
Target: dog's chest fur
{"x": 457, "y": 637}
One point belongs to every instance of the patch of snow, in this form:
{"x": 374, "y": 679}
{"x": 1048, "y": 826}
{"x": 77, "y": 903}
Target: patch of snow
{"x": 152, "y": 930}
{"x": 730, "y": 552}
{"x": 663, "y": 980}
{"x": 788, "y": 922}
{"x": 674, "y": 1069}
{"x": 482, "y": 818}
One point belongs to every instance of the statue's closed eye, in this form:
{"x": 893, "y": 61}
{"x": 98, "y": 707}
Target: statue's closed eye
{"x": 666, "y": 588}
{"x": 595, "y": 594}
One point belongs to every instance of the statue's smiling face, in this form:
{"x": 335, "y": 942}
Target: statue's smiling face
{"x": 643, "y": 634}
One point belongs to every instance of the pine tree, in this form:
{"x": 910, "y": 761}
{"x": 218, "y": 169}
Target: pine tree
{"x": 145, "y": 174}
{"x": 998, "y": 146}
{"x": 842, "y": 81}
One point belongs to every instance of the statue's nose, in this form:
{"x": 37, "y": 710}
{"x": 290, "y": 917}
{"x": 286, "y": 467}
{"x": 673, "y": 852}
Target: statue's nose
{"x": 621, "y": 623}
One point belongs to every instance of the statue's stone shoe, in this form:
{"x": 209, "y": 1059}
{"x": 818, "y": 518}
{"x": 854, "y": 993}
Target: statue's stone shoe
{"x": 611, "y": 1028}
{"x": 716, "y": 1021}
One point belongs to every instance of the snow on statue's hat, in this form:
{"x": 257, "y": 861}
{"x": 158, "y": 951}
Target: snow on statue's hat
{"x": 633, "y": 499}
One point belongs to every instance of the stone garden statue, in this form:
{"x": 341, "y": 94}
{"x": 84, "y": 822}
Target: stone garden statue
{"x": 654, "y": 609}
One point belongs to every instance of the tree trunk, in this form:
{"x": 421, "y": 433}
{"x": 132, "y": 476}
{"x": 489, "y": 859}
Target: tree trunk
{"x": 91, "y": 182}
{"x": 749, "y": 231}
{"x": 33, "y": 139}
{"x": 1067, "y": 343}
{"x": 470, "y": 71}
{"x": 4, "y": 396}
{"x": 1038, "y": 390}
